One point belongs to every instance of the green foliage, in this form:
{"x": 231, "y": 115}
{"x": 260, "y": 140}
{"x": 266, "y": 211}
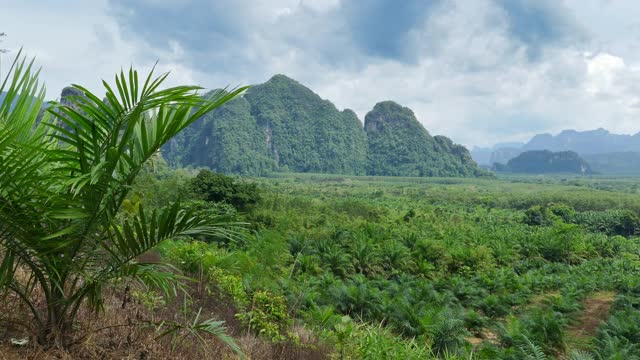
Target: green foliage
{"x": 230, "y": 285}
{"x": 364, "y": 341}
{"x": 216, "y": 188}
{"x": 279, "y": 125}
{"x": 465, "y": 277}
{"x": 445, "y": 331}
{"x": 545, "y": 161}
{"x": 619, "y": 337}
{"x": 545, "y": 215}
{"x": 63, "y": 181}
{"x": 398, "y": 145}
{"x": 267, "y": 315}
{"x": 227, "y": 140}
{"x": 611, "y": 222}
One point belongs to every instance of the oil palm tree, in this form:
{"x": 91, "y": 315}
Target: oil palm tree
{"x": 63, "y": 179}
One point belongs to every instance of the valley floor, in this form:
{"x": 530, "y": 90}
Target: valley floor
{"x": 343, "y": 267}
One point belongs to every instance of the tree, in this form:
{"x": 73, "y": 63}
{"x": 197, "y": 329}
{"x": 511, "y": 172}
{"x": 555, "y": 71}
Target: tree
{"x": 215, "y": 187}
{"x": 63, "y": 180}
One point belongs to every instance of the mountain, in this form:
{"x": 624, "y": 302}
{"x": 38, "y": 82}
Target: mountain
{"x": 597, "y": 141}
{"x": 503, "y": 155}
{"x": 398, "y": 145}
{"x": 486, "y": 156}
{"x": 606, "y": 152}
{"x": 306, "y": 133}
{"x": 545, "y": 161}
{"x": 279, "y": 125}
{"x": 227, "y": 140}
{"x": 282, "y": 125}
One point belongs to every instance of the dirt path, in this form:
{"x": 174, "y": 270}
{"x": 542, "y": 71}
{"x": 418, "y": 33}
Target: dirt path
{"x": 595, "y": 310}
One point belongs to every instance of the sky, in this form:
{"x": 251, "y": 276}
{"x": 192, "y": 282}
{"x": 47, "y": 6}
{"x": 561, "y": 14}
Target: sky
{"x": 478, "y": 71}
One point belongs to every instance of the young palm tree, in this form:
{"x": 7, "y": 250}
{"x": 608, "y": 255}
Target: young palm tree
{"x": 63, "y": 178}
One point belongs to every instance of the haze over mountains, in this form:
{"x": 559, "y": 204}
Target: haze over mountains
{"x": 604, "y": 151}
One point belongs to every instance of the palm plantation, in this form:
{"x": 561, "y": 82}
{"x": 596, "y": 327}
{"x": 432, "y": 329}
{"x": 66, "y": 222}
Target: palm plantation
{"x": 63, "y": 178}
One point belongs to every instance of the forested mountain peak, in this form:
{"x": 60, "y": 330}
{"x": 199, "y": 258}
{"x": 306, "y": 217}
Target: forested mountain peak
{"x": 545, "y": 161}
{"x": 398, "y": 144}
{"x": 281, "y": 125}
{"x": 390, "y": 112}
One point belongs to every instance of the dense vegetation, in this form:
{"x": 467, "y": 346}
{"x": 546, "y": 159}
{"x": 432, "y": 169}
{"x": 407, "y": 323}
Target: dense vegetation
{"x": 278, "y": 125}
{"x": 425, "y": 268}
{"x": 297, "y": 266}
{"x": 283, "y": 126}
{"x": 398, "y": 145}
{"x": 64, "y": 178}
{"x": 228, "y": 140}
{"x": 545, "y": 162}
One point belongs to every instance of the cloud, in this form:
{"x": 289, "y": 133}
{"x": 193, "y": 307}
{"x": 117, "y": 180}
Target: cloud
{"x": 537, "y": 23}
{"x": 480, "y": 71}
{"x": 382, "y": 28}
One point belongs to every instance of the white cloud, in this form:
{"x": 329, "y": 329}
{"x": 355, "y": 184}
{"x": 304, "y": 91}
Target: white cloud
{"x": 82, "y": 44}
{"x": 469, "y": 77}
{"x": 603, "y": 72}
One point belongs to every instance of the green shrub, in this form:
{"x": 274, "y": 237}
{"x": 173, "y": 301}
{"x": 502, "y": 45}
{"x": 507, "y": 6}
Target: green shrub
{"x": 267, "y": 316}
{"x": 215, "y": 187}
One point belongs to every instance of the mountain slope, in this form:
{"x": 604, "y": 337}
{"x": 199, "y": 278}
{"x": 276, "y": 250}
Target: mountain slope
{"x": 545, "y": 161}
{"x": 606, "y": 152}
{"x": 597, "y": 141}
{"x": 304, "y": 132}
{"x": 282, "y": 125}
{"x": 398, "y": 145}
{"x": 227, "y": 140}
{"x": 279, "y": 125}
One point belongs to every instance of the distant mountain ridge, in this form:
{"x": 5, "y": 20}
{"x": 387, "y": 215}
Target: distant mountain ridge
{"x": 281, "y": 125}
{"x": 597, "y": 141}
{"x": 606, "y": 152}
{"x": 487, "y": 156}
{"x": 545, "y": 161}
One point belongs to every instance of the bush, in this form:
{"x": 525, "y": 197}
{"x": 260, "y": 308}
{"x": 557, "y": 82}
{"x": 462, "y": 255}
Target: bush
{"x": 545, "y": 215}
{"x": 267, "y": 316}
{"x": 611, "y": 222}
{"x": 215, "y": 187}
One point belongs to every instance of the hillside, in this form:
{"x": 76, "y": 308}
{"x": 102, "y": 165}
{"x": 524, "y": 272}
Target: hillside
{"x": 487, "y": 156}
{"x": 398, "y": 145}
{"x": 305, "y": 133}
{"x": 545, "y": 161}
{"x": 606, "y": 152}
{"x": 283, "y": 126}
{"x": 279, "y": 125}
{"x": 597, "y": 141}
{"x": 227, "y": 140}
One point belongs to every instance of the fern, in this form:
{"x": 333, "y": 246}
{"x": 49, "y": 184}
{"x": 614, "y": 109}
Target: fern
{"x": 580, "y": 355}
{"x": 531, "y": 351}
